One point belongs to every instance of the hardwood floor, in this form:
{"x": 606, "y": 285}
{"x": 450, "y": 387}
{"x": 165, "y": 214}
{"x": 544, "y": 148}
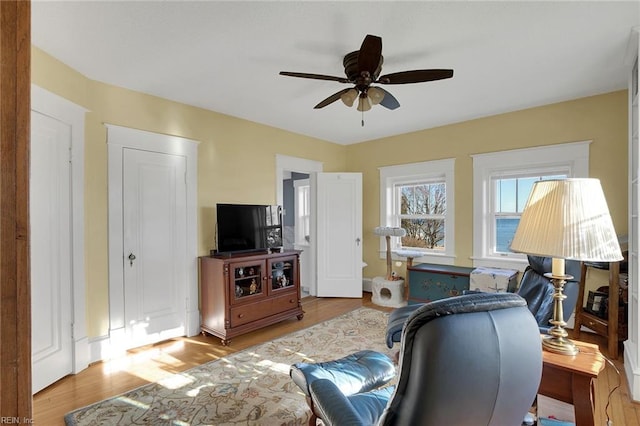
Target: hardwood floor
{"x": 150, "y": 363}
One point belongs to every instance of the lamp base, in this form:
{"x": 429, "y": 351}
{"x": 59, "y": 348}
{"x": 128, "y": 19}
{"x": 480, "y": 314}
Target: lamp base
{"x": 556, "y": 340}
{"x": 559, "y": 345}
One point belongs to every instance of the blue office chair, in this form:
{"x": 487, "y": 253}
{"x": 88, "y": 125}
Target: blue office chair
{"x": 469, "y": 360}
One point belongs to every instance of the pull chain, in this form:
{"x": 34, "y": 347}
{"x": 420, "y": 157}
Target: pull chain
{"x": 362, "y": 122}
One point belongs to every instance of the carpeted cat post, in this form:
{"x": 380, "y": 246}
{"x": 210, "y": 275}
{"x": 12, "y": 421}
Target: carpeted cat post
{"x": 388, "y": 290}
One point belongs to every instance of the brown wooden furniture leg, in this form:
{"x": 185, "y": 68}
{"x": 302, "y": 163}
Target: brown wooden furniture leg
{"x": 578, "y": 319}
{"x": 582, "y": 399}
{"x": 614, "y": 307}
{"x": 406, "y": 279}
{"x": 570, "y": 379}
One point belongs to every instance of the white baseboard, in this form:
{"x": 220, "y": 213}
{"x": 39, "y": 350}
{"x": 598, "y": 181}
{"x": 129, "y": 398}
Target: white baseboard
{"x": 82, "y": 356}
{"x": 366, "y": 285}
{"x": 98, "y": 346}
{"x": 632, "y": 370}
{"x": 193, "y": 325}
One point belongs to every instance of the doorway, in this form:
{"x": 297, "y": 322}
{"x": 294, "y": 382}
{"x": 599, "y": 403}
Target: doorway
{"x": 288, "y": 171}
{"x": 296, "y": 221}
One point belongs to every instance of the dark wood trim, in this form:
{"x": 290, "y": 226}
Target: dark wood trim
{"x": 15, "y": 299}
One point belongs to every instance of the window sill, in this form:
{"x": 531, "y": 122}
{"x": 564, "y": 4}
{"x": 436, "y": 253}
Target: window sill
{"x": 500, "y": 262}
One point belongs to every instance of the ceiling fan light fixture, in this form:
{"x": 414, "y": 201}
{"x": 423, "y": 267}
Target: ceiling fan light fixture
{"x": 349, "y": 97}
{"x": 363, "y": 103}
{"x": 362, "y": 68}
{"x": 375, "y": 95}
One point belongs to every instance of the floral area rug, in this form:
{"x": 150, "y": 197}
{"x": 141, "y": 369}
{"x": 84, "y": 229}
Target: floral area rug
{"x": 251, "y": 387}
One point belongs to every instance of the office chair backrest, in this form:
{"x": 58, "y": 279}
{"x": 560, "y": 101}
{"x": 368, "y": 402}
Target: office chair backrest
{"x": 469, "y": 360}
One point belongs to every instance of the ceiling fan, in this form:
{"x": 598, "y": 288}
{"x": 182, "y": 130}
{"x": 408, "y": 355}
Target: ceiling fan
{"x": 362, "y": 69}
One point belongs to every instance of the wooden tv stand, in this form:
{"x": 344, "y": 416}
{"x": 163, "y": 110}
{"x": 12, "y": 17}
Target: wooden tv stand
{"x": 245, "y": 292}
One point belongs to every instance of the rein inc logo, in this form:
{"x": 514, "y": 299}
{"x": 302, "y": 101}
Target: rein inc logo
{"x": 15, "y": 420}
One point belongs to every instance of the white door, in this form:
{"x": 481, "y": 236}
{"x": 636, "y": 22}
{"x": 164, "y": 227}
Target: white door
{"x": 154, "y": 227}
{"x": 50, "y": 221}
{"x": 338, "y": 236}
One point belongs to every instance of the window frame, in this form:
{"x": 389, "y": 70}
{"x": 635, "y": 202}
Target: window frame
{"x": 390, "y": 176}
{"x": 302, "y": 219}
{"x": 491, "y": 221}
{"x": 570, "y": 158}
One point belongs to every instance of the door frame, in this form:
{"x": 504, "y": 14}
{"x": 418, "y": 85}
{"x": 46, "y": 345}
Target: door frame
{"x": 59, "y": 108}
{"x": 305, "y": 258}
{"x": 295, "y": 164}
{"x": 119, "y": 138}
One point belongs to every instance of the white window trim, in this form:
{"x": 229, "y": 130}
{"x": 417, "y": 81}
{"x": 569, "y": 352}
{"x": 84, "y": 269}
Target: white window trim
{"x": 391, "y": 175}
{"x": 573, "y": 156}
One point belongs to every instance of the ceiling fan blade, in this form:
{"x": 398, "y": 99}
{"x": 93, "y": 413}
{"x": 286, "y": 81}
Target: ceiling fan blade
{"x": 314, "y": 76}
{"x": 389, "y": 101}
{"x": 370, "y": 54}
{"x": 331, "y": 99}
{"x": 415, "y": 76}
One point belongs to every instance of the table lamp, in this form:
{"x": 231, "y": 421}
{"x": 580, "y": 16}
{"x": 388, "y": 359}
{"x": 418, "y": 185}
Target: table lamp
{"x": 566, "y": 219}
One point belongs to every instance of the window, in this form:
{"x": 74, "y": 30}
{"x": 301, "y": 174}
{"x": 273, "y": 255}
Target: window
{"x": 419, "y": 198}
{"x": 510, "y": 197}
{"x": 502, "y": 182}
{"x": 421, "y": 213}
{"x": 303, "y": 211}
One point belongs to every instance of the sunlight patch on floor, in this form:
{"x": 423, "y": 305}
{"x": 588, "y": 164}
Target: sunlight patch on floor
{"x": 300, "y": 354}
{"x": 133, "y": 402}
{"x": 195, "y": 391}
{"x": 274, "y": 366}
{"x": 150, "y": 363}
{"x": 176, "y": 381}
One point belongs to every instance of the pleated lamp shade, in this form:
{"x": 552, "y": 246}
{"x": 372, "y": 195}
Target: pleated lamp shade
{"x": 567, "y": 219}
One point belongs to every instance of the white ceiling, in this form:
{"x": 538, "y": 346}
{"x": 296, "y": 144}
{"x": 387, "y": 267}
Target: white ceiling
{"x": 225, "y": 56}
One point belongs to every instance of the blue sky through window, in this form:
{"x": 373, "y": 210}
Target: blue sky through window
{"x": 511, "y": 197}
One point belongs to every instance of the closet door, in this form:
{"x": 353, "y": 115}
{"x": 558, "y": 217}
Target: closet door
{"x": 154, "y": 235}
{"x": 50, "y": 220}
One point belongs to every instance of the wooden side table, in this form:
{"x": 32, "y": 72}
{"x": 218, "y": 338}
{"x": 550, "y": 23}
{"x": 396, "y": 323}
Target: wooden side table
{"x": 570, "y": 379}
{"x": 604, "y": 327}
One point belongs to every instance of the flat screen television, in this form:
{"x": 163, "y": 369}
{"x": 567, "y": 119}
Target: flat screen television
{"x": 248, "y": 228}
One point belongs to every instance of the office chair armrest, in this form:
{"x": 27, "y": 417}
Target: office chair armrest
{"x": 396, "y": 321}
{"x": 359, "y": 409}
{"x": 331, "y": 405}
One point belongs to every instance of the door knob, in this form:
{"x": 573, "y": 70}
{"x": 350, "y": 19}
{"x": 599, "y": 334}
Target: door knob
{"x": 132, "y": 257}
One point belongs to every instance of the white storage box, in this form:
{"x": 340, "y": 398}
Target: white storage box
{"x": 493, "y": 280}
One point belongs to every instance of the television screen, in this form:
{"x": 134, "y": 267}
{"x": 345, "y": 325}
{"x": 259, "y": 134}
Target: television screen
{"x": 248, "y": 227}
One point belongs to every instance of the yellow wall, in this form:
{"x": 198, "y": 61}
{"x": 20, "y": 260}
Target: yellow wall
{"x": 236, "y": 159}
{"x": 602, "y": 119}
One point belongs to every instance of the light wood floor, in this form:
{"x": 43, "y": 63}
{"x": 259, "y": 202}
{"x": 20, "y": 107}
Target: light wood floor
{"x": 150, "y": 363}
